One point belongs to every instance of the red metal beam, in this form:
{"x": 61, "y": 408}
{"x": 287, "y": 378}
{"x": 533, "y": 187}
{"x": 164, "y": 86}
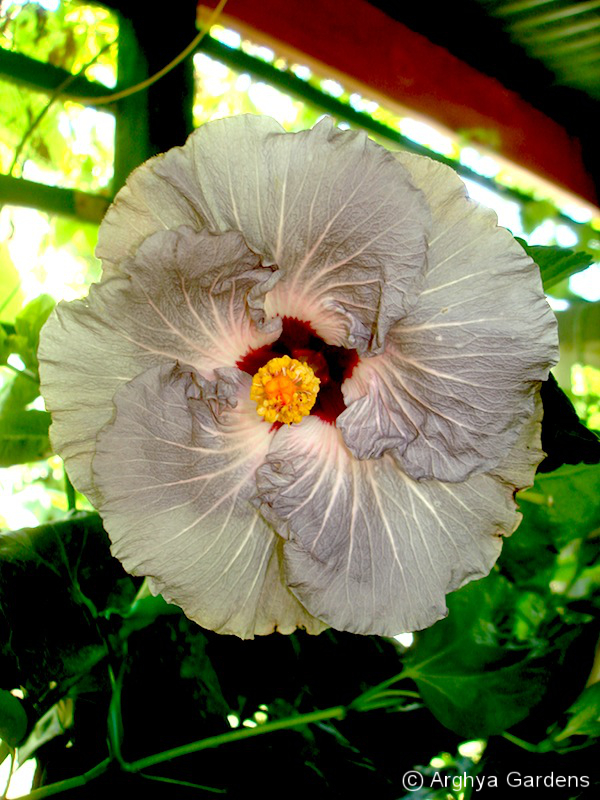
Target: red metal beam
{"x": 359, "y": 40}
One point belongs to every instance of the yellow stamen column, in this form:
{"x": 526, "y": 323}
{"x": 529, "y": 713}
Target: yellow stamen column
{"x": 284, "y": 390}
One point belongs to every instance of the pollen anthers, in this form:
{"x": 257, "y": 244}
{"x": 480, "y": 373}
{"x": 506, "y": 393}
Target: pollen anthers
{"x": 284, "y": 390}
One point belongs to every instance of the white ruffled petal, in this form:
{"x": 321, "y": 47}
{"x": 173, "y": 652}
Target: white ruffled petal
{"x": 190, "y": 298}
{"x": 372, "y": 551}
{"x": 176, "y": 468}
{"x": 336, "y": 213}
{"x": 146, "y": 204}
{"x": 460, "y": 371}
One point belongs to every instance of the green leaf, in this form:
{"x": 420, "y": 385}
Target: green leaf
{"x": 29, "y": 322}
{"x": 556, "y": 263}
{"x": 13, "y": 719}
{"x": 467, "y": 676}
{"x": 24, "y": 437}
{"x": 559, "y": 511}
{"x": 585, "y": 715}
{"x": 197, "y": 666}
{"x": 5, "y": 345}
{"x": 24, "y": 388}
{"x": 563, "y": 504}
{"x": 145, "y": 610}
{"x": 46, "y": 546}
{"x": 15, "y": 395}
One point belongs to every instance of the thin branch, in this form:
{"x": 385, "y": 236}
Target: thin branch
{"x": 183, "y": 783}
{"x": 112, "y": 98}
{"x": 58, "y": 92}
{"x": 145, "y": 84}
{"x": 25, "y": 373}
{"x": 381, "y": 688}
{"x": 70, "y": 783}
{"x": 531, "y": 748}
{"x": 9, "y": 297}
{"x": 336, "y": 712}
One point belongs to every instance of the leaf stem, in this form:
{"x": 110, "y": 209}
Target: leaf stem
{"x": 69, "y": 783}
{"x": 183, "y": 783}
{"x": 382, "y": 687}
{"x": 336, "y": 712}
{"x": 115, "y": 720}
{"x": 53, "y": 97}
{"x": 25, "y": 373}
{"x": 145, "y": 84}
{"x": 531, "y": 748}
{"x": 398, "y": 693}
{"x": 70, "y": 493}
{"x": 9, "y": 297}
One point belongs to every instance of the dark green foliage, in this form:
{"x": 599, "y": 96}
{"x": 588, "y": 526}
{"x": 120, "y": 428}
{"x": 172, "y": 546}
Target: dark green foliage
{"x": 499, "y": 658}
{"x": 466, "y": 663}
{"x": 565, "y": 439}
{"x": 50, "y": 578}
{"x": 13, "y": 719}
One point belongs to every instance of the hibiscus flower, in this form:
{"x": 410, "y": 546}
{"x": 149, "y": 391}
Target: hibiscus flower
{"x": 306, "y": 389}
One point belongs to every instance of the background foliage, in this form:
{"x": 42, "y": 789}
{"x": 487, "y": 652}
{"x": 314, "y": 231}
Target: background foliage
{"x": 104, "y": 686}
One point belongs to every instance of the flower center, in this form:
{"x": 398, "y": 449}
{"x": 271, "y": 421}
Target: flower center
{"x": 330, "y": 364}
{"x": 284, "y": 390}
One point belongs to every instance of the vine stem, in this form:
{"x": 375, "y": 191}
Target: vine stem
{"x": 70, "y": 783}
{"x": 145, "y": 84}
{"x": 60, "y": 91}
{"x": 336, "y": 712}
{"x": 22, "y": 372}
{"x": 531, "y": 748}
